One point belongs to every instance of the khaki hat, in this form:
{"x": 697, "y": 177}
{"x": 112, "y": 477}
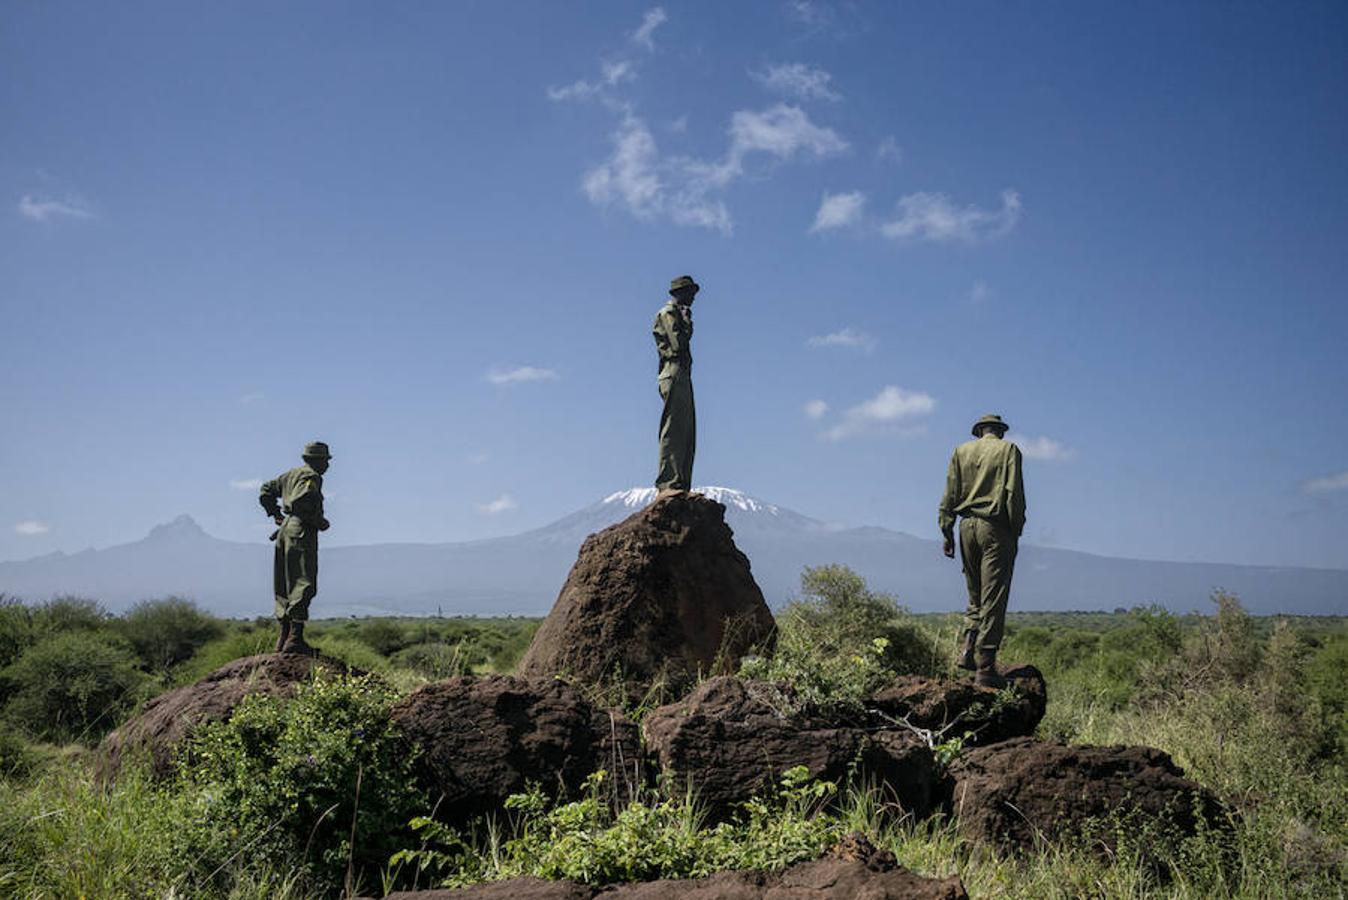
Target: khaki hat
{"x": 316, "y": 450}
{"x": 990, "y": 419}
{"x": 684, "y": 282}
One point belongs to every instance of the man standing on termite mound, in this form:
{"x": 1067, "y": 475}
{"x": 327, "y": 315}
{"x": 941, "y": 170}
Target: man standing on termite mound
{"x": 985, "y": 488}
{"x": 294, "y": 500}
{"x": 673, "y": 330}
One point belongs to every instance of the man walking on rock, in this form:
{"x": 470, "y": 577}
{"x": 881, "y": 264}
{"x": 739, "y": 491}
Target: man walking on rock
{"x": 673, "y": 330}
{"x": 294, "y": 500}
{"x": 985, "y": 488}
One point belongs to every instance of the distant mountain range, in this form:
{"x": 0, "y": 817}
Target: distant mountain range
{"x": 522, "y": 574}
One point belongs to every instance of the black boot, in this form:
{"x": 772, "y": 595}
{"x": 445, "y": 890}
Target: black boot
{"x": 987, "y": 674}
{"x": 295, "y": 642}
{"x": 966, "y": 657}
{"x": 285, "y": 633}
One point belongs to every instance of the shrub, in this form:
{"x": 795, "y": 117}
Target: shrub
{"x": 246, "y": 640}
{"x": 435, "y": 660}
{"x": 71, "y": 687}
{"x": 167, "y": 632}
{"x": 16, "y": 629}
{"x": 296, "y": 779}
{"x": 66, "y": 614}
{"x": 384, "y": 635}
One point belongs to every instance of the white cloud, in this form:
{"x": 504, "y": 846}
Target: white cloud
{"x": 839, "y": 211}
{"x": 31, "y": 528}
{"x": 816, "y": 409}
{"x": 629, "y": 176}
{"x": 1329, "y": 483}
{"x": 245, "y": 484}
{"x": 799, "y": 80}
{"x": 782, "y": 131}
{"x": 1044, "y": 448}
{"x": 654, "y": 18}
{"x": 813, "y": 13}
{"x": 42, "y": 209}
{"x": 502, "y": 504}
{"x": 889, "y": 151}
{"x": 850, "y": 338}
{"x": 892, "y": 406}
{"x": 934, "y": 217}
{"x": 611, "y": 74}
{"x": 521, "y": 374}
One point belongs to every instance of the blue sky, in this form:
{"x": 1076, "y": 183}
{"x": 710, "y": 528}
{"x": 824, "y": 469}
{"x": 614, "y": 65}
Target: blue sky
{"x": 435, "y": 235}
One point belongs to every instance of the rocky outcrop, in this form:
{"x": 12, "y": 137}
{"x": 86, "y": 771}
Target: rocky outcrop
{"x": 953, "y": 708}
{"x": 165, "y": 722}
{"x": 1013, "y": 795}
{"x": 485, "y": 738}
{"x": 662, "y": 596}
{"x": 727, "y": 743}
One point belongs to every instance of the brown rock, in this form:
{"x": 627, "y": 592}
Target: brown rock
{"x": 162, "y": 725}
{"x": 727, "y": 742}
{"x": 663, "y": 595}
{"x": 1012, "y": 794}
{"x": 957, "y": 707}
{"x": 484, "y": 738}
{"x": 825, "y": 878}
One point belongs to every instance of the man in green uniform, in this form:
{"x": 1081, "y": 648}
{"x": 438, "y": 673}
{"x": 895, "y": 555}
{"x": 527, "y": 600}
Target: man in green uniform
{"x": 294, "y": 500}
{"x": 673, "y": 330}
{"x": 985, "y": 488}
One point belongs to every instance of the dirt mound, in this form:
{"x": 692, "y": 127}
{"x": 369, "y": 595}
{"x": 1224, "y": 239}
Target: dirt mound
{"x": 484, "y": 738}
{"x": 956, "y": 707}
{"x": 662, "y": 594}
{"x": 167, "y": 719}
{"x": 1013, "y": 794}
{"x": 879, "y": 878}
{"x": 728, "y": 742}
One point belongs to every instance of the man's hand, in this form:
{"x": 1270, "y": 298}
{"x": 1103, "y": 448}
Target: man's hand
{"x": 948, "y": 548}
{"x": 278, "y": 518}
{"x": 324, "y": 525}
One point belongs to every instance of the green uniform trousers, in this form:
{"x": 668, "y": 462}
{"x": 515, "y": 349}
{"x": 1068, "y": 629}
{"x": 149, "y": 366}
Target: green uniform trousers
{"x": 678, "y": 429}
{"x": 988, "y": 550}
{"x": 295, "y": 570}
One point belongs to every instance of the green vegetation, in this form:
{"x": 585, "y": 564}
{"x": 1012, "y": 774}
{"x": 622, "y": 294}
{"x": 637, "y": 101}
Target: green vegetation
{"x": 266, "y": 804}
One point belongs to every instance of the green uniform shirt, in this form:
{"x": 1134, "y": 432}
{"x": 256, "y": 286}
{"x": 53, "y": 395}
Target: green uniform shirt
{"x": 673, "y": 330}
{"x": 300, "y": 494}
{"x": 985, "y": 481}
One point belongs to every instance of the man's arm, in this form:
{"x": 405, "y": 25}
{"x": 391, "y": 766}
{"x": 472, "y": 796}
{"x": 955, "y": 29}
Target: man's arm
{"x": 1015, "y": 491}
{"x": 269, "y": 497}
{"x": 677, "y": 331}
{"x": 945, "y": 516}
{"x": 307, "y": 501}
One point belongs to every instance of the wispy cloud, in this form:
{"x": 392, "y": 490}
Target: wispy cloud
{"x": 838, "y": 211}
{"x": 31, "y": 528}
{"x": 849, "y": 338}
{"x": 611, "y": 74}
{"x": 798, "y": 80}
{"x": 520, "y": 375}
{"x": 1326, "y": 484}
{"x": 892, "y": 407}
{"x": 980, "y": 292}
{"x": 644, "y": 35}
{"x": 814, "y": 13}
{"x": 816, "y": 409}
{"x": 889, "y": 151}
{"x": 933, "y": 217}
{"x": 636, "y": 178}
{"x": 502, "y": 504}
{"x": 47, "y": 209}
{"x": 1042, "y": 448}
{"x": 245, "y": 484}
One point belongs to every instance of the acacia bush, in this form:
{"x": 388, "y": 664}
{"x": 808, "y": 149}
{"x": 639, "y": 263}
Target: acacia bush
{"x": 167, "y": 632}
{"x": 72, "y": 687}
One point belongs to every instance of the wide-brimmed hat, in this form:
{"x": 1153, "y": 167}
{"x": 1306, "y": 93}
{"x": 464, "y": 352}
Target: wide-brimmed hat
{"x": 684, "y": 282}
{"x": 990, "y": 419}
{"x": 316, "y": 450}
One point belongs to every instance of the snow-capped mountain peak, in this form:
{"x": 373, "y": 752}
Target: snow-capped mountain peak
{"x": 637, "y": 498}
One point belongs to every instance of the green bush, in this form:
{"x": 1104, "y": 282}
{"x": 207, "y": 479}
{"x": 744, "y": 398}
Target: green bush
{"x": 167, "y": 632}
{"x": 435, "y": 660}
{"x": 72, "y": 687}
{"x": 242, "y": 641}
{"x": 384, "y": 635}
{"x": 16, "y": 630}
{"x": 293, "y": 780}
{"x": 17, "y": 760}
{"x": 649, "y": 838}
{"x": 65, "y": 614}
